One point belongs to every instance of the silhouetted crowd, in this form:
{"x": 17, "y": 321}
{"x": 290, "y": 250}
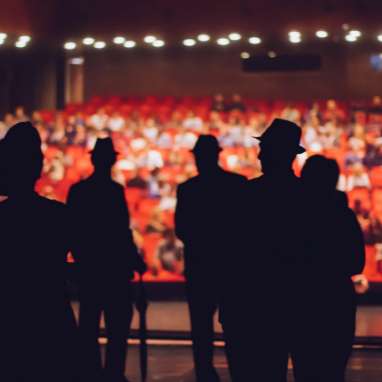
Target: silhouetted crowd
{"x": 235, "y": 234}
{"x": 154, "y": 135}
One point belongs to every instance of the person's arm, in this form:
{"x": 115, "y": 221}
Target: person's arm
{"x": 137, "y": 261}
{"x": 181, "y": 215}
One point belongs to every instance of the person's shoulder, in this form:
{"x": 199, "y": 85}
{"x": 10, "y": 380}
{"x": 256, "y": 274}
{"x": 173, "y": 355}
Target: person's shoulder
{"x": 234, "y": 177}
{"x": 255, "y": 182}
{"x": 79, "y": 186}
{"x": 52, "y": 206}
{"x": 189, "y": 183}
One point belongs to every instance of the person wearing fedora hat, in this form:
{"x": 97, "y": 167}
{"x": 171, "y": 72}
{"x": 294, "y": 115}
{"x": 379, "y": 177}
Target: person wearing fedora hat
{"x": 40, "y": 337}
{"x": 204, "y": 218}
{"x": 276, "y": 242}
{"x": 107, "y": 257}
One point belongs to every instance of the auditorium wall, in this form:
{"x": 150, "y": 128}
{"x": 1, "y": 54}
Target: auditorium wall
{"x": 203, "y": 71}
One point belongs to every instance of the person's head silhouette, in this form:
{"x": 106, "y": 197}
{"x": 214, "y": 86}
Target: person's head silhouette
{"x": 21, "y": 159}
{"x": 320, "y": 173}
{"x": 206, "y": 152}
{"x": 279, "y": 146}
{"x": 103, "y": 155}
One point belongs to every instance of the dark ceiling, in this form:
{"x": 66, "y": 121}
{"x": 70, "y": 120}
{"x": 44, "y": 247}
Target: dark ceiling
{"x": 61, "y": 19}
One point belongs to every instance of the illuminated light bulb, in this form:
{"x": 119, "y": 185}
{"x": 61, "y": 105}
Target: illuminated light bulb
{"x": 99, "y": 44}
{"x": 234, "y": 36}
{"x": 20, "y": 44}
{"x": 223, "y": 41}
{"x": 204, "y": 37}
{"x": 379, "y": 37}
{"x": 350, "y": 38}
{"x": 3, "y": 36}
{"x": 322, "y": 33}
{"x": 88, "y": 41}
{"x": 119, "y": 40}
{"x": 254, "y": 40}
{"x": 294, "y": 37}
{"x": 245, "y": 55}
{"x": 70, "y": 45}
{"x": 355, "y": 33}
{"x": 272, "y": 54}
{"x": 149, "y": 39}
{"x": 158, "y": 43}
{"x": 189, "y": 42}
{"x": 129, "y": 44}
{"x": 25, "y": 38}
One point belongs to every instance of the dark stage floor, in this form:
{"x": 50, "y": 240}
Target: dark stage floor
{"x": 174, "y": 364}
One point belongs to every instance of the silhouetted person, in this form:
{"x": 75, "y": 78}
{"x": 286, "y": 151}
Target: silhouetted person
{"x": 37, "y": 319}
{"x": 107, "y": 257}
{"x": 203, "y": 221}
{"x": 271, "y": 305}
{"x": 338, "y": 254}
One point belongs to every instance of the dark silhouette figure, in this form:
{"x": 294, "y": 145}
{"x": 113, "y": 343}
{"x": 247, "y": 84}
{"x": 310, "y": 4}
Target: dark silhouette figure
{"x": 39, "y": 329}
{"x": 107, "y": 257}
{"x": 338, "y": 255}
{"x": 203, "y": 221}
{"x": 263, "y": 318}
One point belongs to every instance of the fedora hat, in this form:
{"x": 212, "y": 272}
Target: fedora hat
{"x": 206, "y": 143}
{"x": 283, "y": 133}
{"x": 104, "y": 147}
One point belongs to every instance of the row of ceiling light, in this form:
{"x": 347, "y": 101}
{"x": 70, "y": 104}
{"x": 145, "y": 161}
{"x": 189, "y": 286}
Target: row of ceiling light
{"x": 294, "y": 37}
{"x": 20, "y": 42}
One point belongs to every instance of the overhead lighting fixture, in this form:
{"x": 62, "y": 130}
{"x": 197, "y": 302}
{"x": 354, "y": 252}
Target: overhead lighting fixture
{"x": 245, "y": 55}
{"x": 119, "y": 40}
{"x": 234, "y": 36}
{"x": 272, "y": 54}
{"x": 25, "y": 38}
{"x": 20, "y": 44}
{"x": 204, "y": 37}
{"x": 3, "y": 36}
{"x": 355, "y": 33}
{"x": 322, "y": 33}
{"x": 189, "y": 42}
{"x": 70, "y": 45}
{"x": 379, "y": 37}
{"x": 99, "y": 44}
{"x": 351, "y": 38}
{"x": 129, "y": 44}
{"x": 149, "y": 39}
{"x": 223, "y": 41}
{"x": 88, "y": 41}
{"x": 254, "y": 40}
{"x": 158, "y": 43}
{"x": 294, "y": 37}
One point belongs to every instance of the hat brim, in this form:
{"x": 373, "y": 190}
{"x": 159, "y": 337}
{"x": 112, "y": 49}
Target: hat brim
{"x": 299, "y": 148}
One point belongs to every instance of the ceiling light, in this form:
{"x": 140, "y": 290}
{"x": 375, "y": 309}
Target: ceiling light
{"x": 149, "y": 39}
{"x": 350, "y": 38}
{"x": 3, "y": 36}
{"x": 99, "y": 44}
{"x": 379, "y": 37}
{"x": 272, "y": 54}
{"x": 245, "y": 55}
{"x": 88, "y": 41}
{"x": 20, "y": 44}
{"x": 234, "y": 36}
{"x": 203, "y": 37}
{"x": 189, "y": 42}
{"x": 25, "y": 38}
{"x": 355, "y": 33}
{"x": 119, "y": 40}
{"x": 254, "y": 40}
{"x": 70, "y": 45}
{"x": 223, "y": 41}
{"x": 129, "y": 44}
{"x": 322, "y": 33}
{"x": 158, "y": 43}
{"x": 294, "y": 37}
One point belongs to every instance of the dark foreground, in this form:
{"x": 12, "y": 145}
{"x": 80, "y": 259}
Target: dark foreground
{"x": 173, "y": 364}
